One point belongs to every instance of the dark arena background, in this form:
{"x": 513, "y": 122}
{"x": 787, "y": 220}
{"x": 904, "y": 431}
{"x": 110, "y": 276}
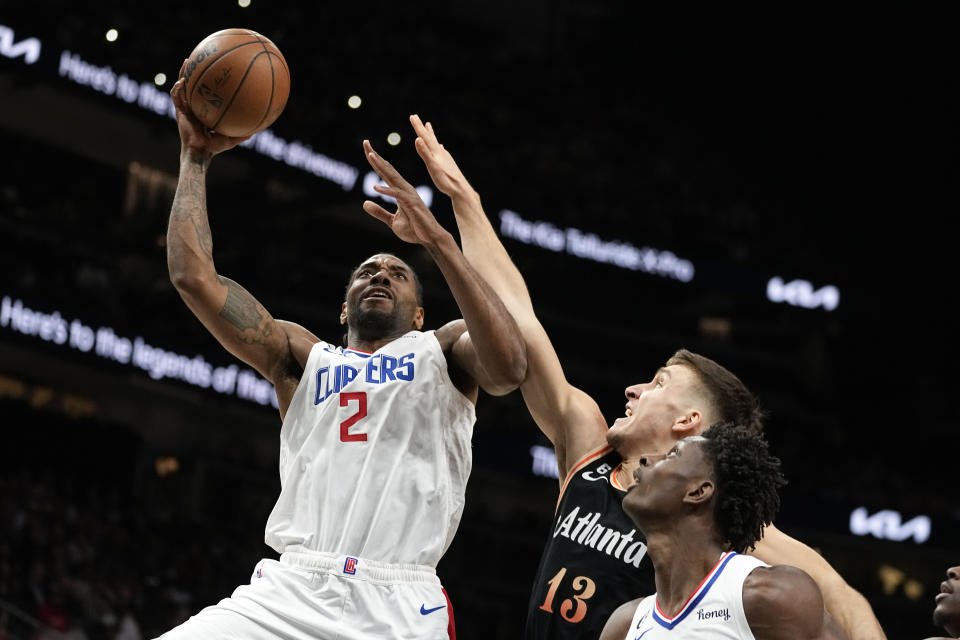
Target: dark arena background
{"x": 766, "y": 189}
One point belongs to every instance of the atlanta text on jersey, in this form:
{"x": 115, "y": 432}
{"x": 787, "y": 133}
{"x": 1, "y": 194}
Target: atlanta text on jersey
{"x": 587, "y": 531}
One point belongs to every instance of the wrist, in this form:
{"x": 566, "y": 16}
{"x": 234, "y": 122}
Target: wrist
{"x": 191, "y": 155}
{"x": 466, "y": 197}
{"x": 440, "y": 242}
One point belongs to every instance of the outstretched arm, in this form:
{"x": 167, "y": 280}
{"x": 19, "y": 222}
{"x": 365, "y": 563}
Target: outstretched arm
{"x": 234, "y": 317}
{"x": 492, "y": 353}
{"x": 569, "y": 417}
{"x": 784, "y": 603}
{"x": 848, "y": 607}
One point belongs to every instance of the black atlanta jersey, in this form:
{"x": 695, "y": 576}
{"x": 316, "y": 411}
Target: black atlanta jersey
{"x": 594, "y": 559}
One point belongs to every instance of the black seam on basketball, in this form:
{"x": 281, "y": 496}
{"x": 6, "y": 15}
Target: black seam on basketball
{"x": 273, "y": 86}
{"x": 239, "y": 86}
{"x": 276, "y": 52}
{"x": 279, "y": 56}
{"x": 210, "y": 64}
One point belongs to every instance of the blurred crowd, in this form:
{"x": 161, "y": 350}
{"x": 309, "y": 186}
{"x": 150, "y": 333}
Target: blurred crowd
{"x": 88, "y": 551}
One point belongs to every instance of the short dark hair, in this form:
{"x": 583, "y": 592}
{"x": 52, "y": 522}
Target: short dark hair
{"x": 728, "y": 395}
{"x": 416, "y": 278}
{"x": 747, "y": 478}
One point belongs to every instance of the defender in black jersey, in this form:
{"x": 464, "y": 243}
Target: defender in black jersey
{"x": 595, "y": 556}
{"x": 584, "y": 573}
{"x": 593, "y": 539}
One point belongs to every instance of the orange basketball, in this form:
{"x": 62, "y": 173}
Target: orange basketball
{"x": 237, "y": 82}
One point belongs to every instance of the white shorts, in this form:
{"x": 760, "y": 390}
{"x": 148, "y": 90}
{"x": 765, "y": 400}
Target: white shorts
{"x": 320, "y": 596}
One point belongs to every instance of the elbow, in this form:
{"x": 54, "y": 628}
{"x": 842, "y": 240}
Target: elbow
{"x": 186, "y": 281}
{"x": 513, "y": 373}
{"x": 518, "y": 369}
{"x": 187, "y": 267}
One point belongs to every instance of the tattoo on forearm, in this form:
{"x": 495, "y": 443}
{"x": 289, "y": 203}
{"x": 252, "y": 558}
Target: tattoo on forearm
{"x": 243, "y": 312}
{"x": 202, "y": 227}
{"x": 189, "y": 205}
{"x": 240, "y": 309}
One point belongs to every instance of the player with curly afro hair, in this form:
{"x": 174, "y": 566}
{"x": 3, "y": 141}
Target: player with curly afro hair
{"x": 748, "y": 478}
{"x": 700, "y": 506}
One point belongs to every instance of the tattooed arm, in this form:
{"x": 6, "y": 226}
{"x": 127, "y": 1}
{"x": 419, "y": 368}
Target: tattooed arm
{"x": 278, "y": 350}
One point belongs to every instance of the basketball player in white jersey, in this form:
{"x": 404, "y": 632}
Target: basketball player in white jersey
{"x": 375, "y": 445}
{"x": 679, "y": 401}
{"x": 700, "y": 507}
{"x": 946, "y": 614}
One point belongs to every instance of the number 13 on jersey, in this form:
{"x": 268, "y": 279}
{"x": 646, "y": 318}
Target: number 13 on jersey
{"x": 575, "y": 609}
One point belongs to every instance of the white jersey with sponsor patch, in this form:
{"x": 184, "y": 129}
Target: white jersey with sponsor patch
{"x": 714, "y": 611}
{"x": 375, "y": 454}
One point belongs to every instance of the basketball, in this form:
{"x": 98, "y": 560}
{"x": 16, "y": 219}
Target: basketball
{"x": 237, "y": 82}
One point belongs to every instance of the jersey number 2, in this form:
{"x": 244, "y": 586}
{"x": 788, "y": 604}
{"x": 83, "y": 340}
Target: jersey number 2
{"x": 570, "y": 610}
{"x": 361, "y": 398}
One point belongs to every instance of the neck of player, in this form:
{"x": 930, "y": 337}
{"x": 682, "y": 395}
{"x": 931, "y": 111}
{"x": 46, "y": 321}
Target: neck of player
{"x": 682, "y": 554}
{"x": 369, "y": 343}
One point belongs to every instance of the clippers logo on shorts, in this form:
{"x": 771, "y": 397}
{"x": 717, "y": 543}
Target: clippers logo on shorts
{"x": 379, "y": 368}
{"x": 350, "y": 566}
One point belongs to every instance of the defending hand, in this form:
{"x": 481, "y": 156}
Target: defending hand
{"x": 413, "y": 221}
{"x": 443, "y": 169}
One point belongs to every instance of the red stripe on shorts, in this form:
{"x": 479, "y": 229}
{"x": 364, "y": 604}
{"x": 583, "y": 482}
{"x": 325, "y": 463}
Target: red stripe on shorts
{"x": 451, "y": 628}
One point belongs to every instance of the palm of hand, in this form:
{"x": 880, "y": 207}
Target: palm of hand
{"x": 444, "y": 171}
{"x": 403, "y": 227}
{"x": 406, "y": 227}
{"x": 193, "y": 133}
{"x": 197, "y": 137}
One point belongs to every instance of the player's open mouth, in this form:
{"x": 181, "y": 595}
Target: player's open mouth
{"x": 377, "y": 294}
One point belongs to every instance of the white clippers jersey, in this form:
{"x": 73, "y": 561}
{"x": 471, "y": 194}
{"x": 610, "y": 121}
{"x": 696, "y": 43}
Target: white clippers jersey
{"x": 713, "y": 612}
{"x": 375, "y": 454}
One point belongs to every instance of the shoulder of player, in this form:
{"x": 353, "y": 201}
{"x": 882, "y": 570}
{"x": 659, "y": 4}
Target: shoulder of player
{"x": 300, "y": 341}
{"x": 780, "y": 599}
{"x": 448, "y": 334}
{"x": 618, "y": 624}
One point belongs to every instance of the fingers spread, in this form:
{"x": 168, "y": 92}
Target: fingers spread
{"x": 386, "y": 190}
{"x": 418, "y": 125}
{"x": 176, "y": 92}
{"x": 378, "y": 212}
{"x": 384, "y": 169}
{"x": 422, "y": 149}
{"x": 379, "y": 164}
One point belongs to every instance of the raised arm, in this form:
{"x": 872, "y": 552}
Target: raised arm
{"x": 848, "y": 607}
{"x": 234, "y": 317}
{"x": 491, "y": 351}
{"x": 569, "y": 417}
{"x": 783, "y": 603}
